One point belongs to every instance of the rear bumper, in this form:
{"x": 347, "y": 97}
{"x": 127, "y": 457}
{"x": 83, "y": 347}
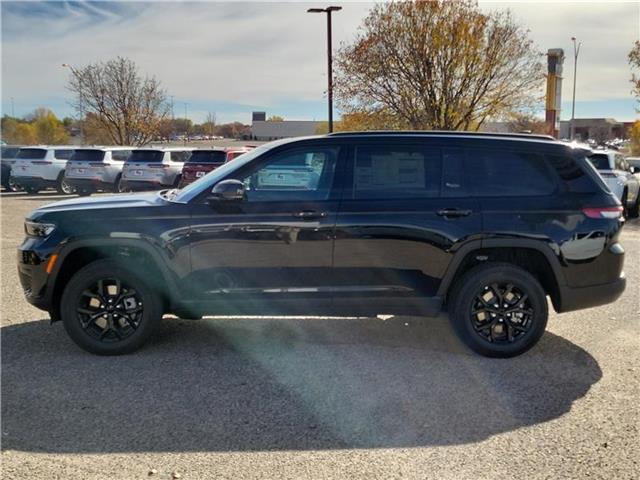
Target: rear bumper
{"x": 35, "y": 182}
{"x": 91, "y": 184}
{"x": 593, "y": 296}
{"x": 138, "y": 185}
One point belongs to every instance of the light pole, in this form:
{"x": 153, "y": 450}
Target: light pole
{"x": 328, "y": 11}
{"x": 576, "y": 52}
{"x": 74, "y": 72}
{"x": 186, "y": 125}
{"x": 13, "y": 113}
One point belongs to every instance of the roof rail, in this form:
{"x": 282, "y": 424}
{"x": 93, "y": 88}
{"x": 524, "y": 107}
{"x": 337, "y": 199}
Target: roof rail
{"x": 442, "y": 133}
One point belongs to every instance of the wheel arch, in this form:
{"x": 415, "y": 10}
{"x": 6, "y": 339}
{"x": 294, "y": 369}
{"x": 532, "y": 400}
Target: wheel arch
{"x": 538, "y": 259}
{"x": 131, "y": 252}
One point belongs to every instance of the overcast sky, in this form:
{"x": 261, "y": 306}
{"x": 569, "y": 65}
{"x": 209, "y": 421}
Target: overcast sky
{"x": 232, "y": 58}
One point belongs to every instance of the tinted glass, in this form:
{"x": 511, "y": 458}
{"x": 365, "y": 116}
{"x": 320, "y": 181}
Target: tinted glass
{"x": 9, "y": 152}
{"x": 31, "y": 153}
{"x": 402, "y": 171}
{"x": 63, "y": 154}
{"x": 303, "y": 174}
{"x": 498, "y": 173}
{"x": 208, "y": 156}
{"x": 600, "y": 161}
{"x": 574, "y": 173}
{"x": 146, "y": 156}
{"x": 453, "y": 178}
{"x": 180, "y": 157}
{"x": 87, "y": 155}
{"x": 120, "y": 155}
{"x": 634, "y": 163}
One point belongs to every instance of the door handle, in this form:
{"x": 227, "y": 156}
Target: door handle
{"x": 453, "y": 213}
{"x": 309, "y": 214}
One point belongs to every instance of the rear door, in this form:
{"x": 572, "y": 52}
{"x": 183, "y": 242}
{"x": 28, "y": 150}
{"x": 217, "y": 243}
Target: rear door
{"x": 404, "y": 212}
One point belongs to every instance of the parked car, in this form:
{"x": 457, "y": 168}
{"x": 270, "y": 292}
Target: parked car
{"x": 200, "y": 163}
{"x": 154, "y": 168}
{"x": 619, "y": 177}
{"x": 97, "y": 169}
{"x": 380, "y": 223}
{"x": 235, "y": 152}
{"x": 38, "y": 168}
{"x": 7, "y": 159}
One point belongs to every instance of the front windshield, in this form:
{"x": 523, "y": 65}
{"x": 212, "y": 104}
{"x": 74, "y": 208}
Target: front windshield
{"x": 213, "y": 177}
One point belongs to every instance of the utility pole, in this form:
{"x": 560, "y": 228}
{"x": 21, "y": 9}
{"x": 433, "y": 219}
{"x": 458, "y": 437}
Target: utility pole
{"x": 576, "y": 52}
{"x": 13, "y": 112}
{"x": 328, "y": 11}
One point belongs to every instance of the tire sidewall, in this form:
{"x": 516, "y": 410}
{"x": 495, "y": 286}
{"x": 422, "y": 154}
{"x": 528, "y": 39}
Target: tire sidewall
{"x": 151, "y": 315}
{"x": 472, "y": 284}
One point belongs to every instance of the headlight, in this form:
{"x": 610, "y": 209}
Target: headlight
{"x": 36, "y": 229}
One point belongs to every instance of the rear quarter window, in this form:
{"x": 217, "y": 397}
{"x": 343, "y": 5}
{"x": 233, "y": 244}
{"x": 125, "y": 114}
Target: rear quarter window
{"x": 504, "y": 173}
{"x": 64, "y": 154}
{"x": 578, "y": 174}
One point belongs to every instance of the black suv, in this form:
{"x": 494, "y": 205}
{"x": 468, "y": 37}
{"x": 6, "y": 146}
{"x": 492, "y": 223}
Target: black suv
{"x": 344, "y": 224}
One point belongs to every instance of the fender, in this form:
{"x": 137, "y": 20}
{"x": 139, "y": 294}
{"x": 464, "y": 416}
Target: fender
{"x": 138, "y": 243}
{"x": 474, "y": 245}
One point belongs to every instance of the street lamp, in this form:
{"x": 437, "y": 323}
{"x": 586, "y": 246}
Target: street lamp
{"x": 75, "y": 74}
{"x": 576, "y": 52}
{"x": 328, "y": 11}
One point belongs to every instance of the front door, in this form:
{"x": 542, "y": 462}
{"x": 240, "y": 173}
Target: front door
{"x": 272, "y": 252}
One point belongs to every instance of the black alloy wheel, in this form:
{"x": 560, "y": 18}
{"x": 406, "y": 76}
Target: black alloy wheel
{"x": 108, "y": 309}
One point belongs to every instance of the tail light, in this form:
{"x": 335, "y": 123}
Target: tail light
{"x": 41, "y": 162}
{"x": 603, "y": 212}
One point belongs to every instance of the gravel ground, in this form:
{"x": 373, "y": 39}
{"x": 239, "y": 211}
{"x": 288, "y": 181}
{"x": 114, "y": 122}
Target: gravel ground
{"x": 319, "y": 398}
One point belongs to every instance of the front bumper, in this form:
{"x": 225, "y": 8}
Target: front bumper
{"x": 577, "y": 298}
{"x": 32, "y": 272}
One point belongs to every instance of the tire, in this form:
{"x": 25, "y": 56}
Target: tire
{"x": 83, "y": 192}
{"x": 625, "y": 207}
{"x": 176, "y": 183}
{"x": 501, "y": 334}
{"x": 12, "y": 185}
{"x": 31, "y": 190}
{"x": 62, "y": 187}
{"x": 634, "y": 212}
{"x": 82, "y": 309}
{"x": 117, "y": 185}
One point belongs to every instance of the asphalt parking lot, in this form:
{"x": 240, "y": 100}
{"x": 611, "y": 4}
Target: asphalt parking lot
{"x": 234, "y": 398}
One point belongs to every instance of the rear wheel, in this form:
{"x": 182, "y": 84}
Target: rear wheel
{"x": 62, "y": 186}
{"x": 623, "y": 200}
{"x": 498, "y": 310}
{"x": 108, "y": 310}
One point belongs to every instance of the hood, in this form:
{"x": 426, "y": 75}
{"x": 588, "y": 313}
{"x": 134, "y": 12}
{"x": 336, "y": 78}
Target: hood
{"x": 133, "y": 200}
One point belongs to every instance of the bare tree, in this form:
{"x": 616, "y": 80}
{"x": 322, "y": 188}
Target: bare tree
{"x": 127, "y": 106}
{"x": 438, "y": 65}
{"x": 634, "y": 63}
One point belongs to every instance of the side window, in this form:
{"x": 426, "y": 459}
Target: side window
{"x": 570, "y": 171}
{"x": 507, "y": 173}
{"x": 396, "y": 171}
{"x": 298, "y": 175}
{"x": 453, "y": 176}
{"x": 63, "y": 154}
{"x": 621, "y": 164}
{"x": 120, "y": 155}
{"x": 181, "y": 156}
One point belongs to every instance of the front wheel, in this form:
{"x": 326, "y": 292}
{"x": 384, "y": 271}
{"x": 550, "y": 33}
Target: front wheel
{"x": 108, "y": 310}
{"x": 498, "y": 310}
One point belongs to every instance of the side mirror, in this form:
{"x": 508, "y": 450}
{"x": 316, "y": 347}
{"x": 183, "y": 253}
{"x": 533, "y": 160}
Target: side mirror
{"x": 227, "y": 191}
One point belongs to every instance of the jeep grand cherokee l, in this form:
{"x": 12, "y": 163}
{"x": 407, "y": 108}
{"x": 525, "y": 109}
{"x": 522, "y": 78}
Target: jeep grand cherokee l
{"x": 485, "y": 225}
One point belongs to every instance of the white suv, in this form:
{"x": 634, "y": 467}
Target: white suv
{"x": 154, "y": 168}
{"x": 97, "y": 168}
{"x": 619, "y": 177}
{"x": 37, "y": 168}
